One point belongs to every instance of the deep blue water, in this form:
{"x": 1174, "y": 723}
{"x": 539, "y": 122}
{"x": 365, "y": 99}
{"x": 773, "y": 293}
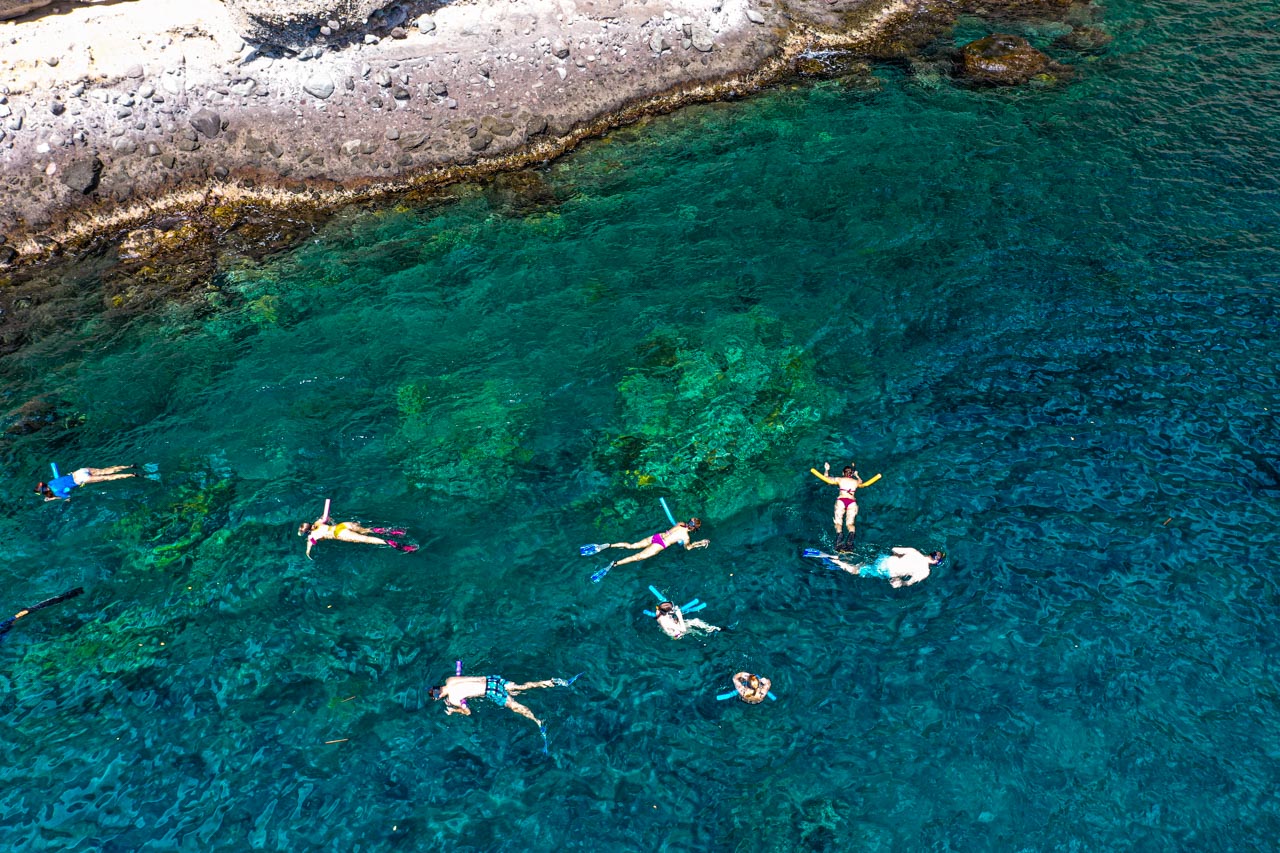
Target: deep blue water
{"x": 1048, "y": 316}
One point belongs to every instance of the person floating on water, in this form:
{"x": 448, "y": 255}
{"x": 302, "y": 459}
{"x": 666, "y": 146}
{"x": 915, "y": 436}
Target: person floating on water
{"x": 457, "y": 689}
{"x": 60, "y": 488}
{"x": 350, "y": 531}
{"x": 846, "y": 510}
{"x": 672, "y": 622}
{"x": 752, "y": 688}
{"x": 659, "y": 542}
{"x": 903, "y": 567}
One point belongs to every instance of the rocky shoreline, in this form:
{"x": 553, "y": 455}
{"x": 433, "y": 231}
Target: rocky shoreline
{"x": 118, "y": 116}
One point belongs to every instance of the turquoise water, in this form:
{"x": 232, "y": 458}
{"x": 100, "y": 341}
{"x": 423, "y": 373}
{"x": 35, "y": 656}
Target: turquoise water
{"x": 1048, "y": 316}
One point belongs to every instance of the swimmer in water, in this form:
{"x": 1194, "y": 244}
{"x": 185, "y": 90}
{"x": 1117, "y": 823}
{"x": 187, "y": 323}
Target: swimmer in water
{"x": 659, "y": 542}
{"x": 903, "y": 567}
{"x": 675, "y": 626}
{"x": 60, "y": 488}
{"x": 752, "y": 688}
{"x": 457, "y": 689}
{"x": 349, "y": 531}
{"x": 846, "y": 510}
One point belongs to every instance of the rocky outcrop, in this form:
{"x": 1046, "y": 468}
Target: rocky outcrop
{"x": 18, "y": 8}
{"x": 1005, "y": 60}
{"x": 172, "y": 113}
{"x": 296, "y": 24}
{"x": 14, "y": 8}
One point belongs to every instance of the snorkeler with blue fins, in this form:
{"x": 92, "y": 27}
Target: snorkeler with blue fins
{"x": 61, "y": 486}
{"x": 457, "y": 689}
{"x": 901, "y": 567}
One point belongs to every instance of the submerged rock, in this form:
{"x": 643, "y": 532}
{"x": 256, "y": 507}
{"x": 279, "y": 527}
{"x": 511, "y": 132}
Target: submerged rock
{"x": 40, "y": 413}
{"x": 1084, "y": 40}
{"x": 1005, "y": 60}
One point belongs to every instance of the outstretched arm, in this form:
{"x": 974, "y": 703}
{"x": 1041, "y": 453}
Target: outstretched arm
{"x": 824, "y": 478}
{"x": 310, "y": 542}
{"x": 701, "y": 543}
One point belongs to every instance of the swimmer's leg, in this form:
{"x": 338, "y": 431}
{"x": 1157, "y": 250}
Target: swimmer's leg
{"x": 850, "y": 516}
{"x": 633, "y": 546}
{"x": 348, "y": 536}
{"x": 702, "y": 626}
{"x": 102, "y": 475}
{"x": 521, "y": 710}
{"x": 530, "y": 685}
{"x": 653, "y": 548}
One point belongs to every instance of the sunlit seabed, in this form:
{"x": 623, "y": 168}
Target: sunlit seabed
{"x": 1048, "y": 316}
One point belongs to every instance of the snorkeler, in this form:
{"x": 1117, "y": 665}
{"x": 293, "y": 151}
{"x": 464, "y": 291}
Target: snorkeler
{"x": 350, "y": 531}
{"x": 846, "y": 509}
{"x": 657, "y": 543}
{"x": 903, "y": 567}
{"x": 60, "y": 488}
{"x": 457, "y": 689}
{"x": 672, "y": 622}
{"x": 752, "y": 688}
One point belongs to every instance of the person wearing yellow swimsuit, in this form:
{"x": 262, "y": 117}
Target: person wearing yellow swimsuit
{"x": 350, "y": 531}
{"x": 846, "y": 509}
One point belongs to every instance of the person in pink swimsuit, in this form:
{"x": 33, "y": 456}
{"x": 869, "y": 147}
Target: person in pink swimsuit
{"x": 846, "y": 501}
{"x": 659, "y": 542}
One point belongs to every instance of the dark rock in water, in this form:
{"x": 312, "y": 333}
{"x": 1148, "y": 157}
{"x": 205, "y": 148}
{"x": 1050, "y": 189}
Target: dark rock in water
{"x": 1084, "y": 40}
{"x": 831, "y": 63}
{"x": 467, "y": 770}
{"x": 207, "y": 122}
{"x": 521, "y": 193}
{"x": 1005, "y": 60}
{"x": 82, "y": 175}
{"x": 7, "y": 254}
{"x": 40, "y": 413}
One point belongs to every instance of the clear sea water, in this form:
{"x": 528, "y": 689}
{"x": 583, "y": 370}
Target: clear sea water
{"x": 1048, "y": 316}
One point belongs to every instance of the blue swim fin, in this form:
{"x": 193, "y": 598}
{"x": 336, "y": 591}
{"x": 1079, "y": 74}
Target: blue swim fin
{"x": 588, "y": 550}
{"x": 542, "y": 729}
{"x": 811, "y": 552}
{"x": 599, "y": 575}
